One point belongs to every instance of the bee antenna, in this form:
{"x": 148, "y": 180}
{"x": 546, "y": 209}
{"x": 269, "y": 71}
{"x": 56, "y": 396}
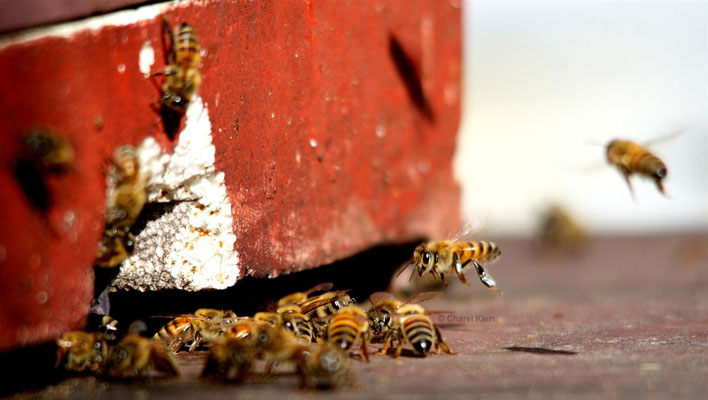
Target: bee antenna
{"x": 403, "y": 269}
{"x": 412, "y": 272}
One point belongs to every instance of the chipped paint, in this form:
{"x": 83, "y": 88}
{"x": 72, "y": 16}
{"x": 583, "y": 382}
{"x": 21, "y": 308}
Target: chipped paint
{"x": 191, "y": 245}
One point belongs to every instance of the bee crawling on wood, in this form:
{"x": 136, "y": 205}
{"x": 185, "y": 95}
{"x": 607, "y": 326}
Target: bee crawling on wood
{"x": 411, "y": 324}
{"x": 384, "y": 306}
{"x": 79, "y": 351}
{"x": 323, "y": 366}
{"x": 135, "y": 356}
{"x": 347, "y": 327}
{"x": 192, "y": 330}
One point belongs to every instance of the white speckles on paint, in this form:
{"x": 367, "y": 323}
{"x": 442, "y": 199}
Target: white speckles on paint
{"x": 297, "y": 157}
{"x": 272, "y": 115}
{"x": 296, "y": 55}
{"x": 313, "y": 143}
{"x": 380, "y": 131}
{"x": 121, "y": 68}
{"x": 190, "y": 246}
{"x": 146, "y": 58}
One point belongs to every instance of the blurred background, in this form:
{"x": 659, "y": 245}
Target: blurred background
{"x": 548, "y": 83}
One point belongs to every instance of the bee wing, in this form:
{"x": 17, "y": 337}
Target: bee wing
{"x": 315, "y": 303}
{"x": 168, "y": 41}
{"x": 378, "y": 297}
{"x": 186, "y": 316}
{"x": 322, "y": 287}
{"x": 421, "y": 297}
{"x": 470, "y": 229}
{"x": 668, "y": 137}
{"x": 407, "y": 265}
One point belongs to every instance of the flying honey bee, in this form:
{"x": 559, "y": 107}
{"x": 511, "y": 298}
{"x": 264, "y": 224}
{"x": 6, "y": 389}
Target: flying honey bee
{"x": 412, "y": 325}
{"x": 82, "y": 351}
{"x": 192, "y": 330}
{"x": 135, "y": 356}
{"x": 182, "y": 76}
{"x": 43, "y": 153}
{"x": 125, "y": 200}
{"x": 441, "y": 257}
{"x": 384, "y": 306}
{"x": 631, "y": 158}
{"x": 323, "y": 366}
{"x": 349, "y": 326}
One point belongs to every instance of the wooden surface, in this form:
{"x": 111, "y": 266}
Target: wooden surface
{"x": 626, "y": 319}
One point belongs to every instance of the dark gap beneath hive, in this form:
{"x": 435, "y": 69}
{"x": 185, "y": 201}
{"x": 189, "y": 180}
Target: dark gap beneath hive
{"x": 362, "y": 273}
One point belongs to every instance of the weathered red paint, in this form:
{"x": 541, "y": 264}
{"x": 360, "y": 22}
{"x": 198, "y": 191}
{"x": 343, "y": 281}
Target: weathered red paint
{"x": 278, "y": 77}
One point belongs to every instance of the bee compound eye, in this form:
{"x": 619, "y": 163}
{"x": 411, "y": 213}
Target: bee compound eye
{"x": 263, "y": 337}
{"x": 426, "y": 258}
{"x": 97, "y": 345}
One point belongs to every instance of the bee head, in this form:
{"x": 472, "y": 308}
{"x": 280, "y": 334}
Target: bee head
{"x": 174, "y": 102}
{"x": 424, "y": 259}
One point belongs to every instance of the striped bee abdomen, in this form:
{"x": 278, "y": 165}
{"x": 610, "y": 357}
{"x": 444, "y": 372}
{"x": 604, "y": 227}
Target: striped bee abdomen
{"x": 343, "y": 331}
{"x": 418, "y": 331}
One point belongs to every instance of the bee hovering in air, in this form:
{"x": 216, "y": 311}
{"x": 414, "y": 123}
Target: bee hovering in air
{"x": 384, "y": 306}
{"x": 182, "y": 76}
{"x": 440, "y": 257}
{"x": 631, "y": 158}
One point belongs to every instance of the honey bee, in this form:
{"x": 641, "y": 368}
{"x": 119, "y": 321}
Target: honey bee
{"x": 125, "y": 201}
{"x": 349, "y": 325}
{"x": 441, "y": 257}
{"x": 291, "y": 318}
{"x": 299, "y": 298}
{"x": 135, "y": 356}
{"x": 43, "y": 153}
{"x": 631, "y": 158}
{"x": 128, "y": 194}
{"x": 384, "y": 306}
{"x": 560, "y": 232}
{"x": 182, "y": 76}
{"x": 82, "y": 351}
{"x": 318, "y": 308}
{"x": 192, "y": 330}
{"x": 413, "y": 326}
{"x": 323, "y": 366}
{"x": 48, "y": 151}
{"x": 252, "y": 341}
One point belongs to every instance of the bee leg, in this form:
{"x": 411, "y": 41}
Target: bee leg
{"x": 460, "y": 274}
{"x": 486, "y": 279}
{"x": 629, "y": 184}
{"x": 195, "y": 343}
{"x": 439, "y": 342}
{"x": 364, "y": 346}
{"x": 399, "y": 348}
{"x": 387, "y": 343}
